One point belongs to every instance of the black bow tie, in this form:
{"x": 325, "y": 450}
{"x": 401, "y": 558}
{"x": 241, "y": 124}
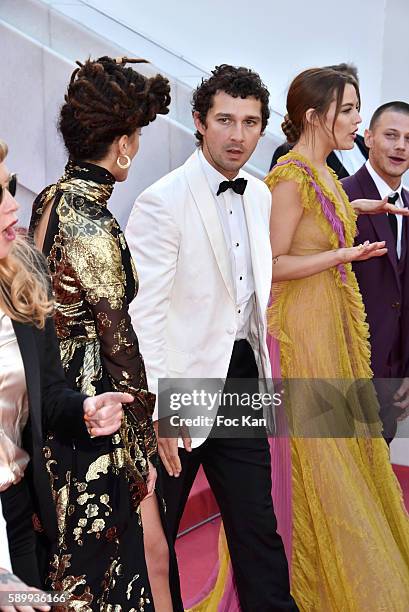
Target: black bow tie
{"x": 238, "y": 186}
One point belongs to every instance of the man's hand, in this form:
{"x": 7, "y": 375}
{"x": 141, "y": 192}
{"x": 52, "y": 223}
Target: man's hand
{"x": 401, "y": 398}
{"x": 103, "y": 413}
{"x": 168, "y": 450}
{"x": 375, "y": 207}
{"x": 9, "y": 583}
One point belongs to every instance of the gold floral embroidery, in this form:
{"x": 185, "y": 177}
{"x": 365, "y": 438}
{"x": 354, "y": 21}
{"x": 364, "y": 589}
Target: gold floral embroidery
{"x": 70, "y": 584}
{"x": 97, "y": 526}
{"x": 121, "y": 336}
{"x": 90, "y": 371}
{"x": 130, "y": 586}
{"x": 91, "y": 510}
{"x": 104, "y": 499}
{"x": 98, "y": 467}
{"x": 84, "y": 497}
{"x": 103, "y": 322}
{"x": 89, "y": 256}
{"x": 143, "y": 600}
{"x": 77, "y": 532}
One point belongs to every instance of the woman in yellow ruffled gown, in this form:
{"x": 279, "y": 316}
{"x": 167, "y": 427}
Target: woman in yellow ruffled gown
{"x": 350, "y": 535}
{"x": 349, "y": 540}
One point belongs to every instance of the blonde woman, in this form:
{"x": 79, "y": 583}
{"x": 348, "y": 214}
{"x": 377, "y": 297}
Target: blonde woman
{"x": 34, "y": 396}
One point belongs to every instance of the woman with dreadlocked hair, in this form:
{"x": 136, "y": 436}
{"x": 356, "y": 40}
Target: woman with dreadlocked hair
{"x": 104, "y": 557}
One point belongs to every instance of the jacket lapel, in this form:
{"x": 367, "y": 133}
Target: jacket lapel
{"x": 360, "y": 142}
{"x": 261, "y": 257}
{"x": 334, "y": 163}
{"x": 380, "y": 223}
{"x": 404, "y": 241}
{"x": 28, "y": 349}
{"x": 202, "y": 196}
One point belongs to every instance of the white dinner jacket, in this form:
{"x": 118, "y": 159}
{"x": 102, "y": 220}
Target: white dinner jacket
{"x": 185, "y": 311}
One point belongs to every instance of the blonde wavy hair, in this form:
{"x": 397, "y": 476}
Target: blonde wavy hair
{"x": 24, "y": 285}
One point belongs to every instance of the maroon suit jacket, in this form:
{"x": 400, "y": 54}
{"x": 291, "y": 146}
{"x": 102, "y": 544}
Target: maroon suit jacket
{"x": 384, "y": 289}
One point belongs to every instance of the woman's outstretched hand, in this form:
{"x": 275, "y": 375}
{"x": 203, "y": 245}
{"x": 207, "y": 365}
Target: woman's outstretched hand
{"x": 376, "y": 207}
{"x": 364, "y": 251}
{"x": 103, "y": 413}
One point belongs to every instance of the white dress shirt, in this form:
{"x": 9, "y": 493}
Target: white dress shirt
{"x": 233, "y": 221}
{"x": 385, "y": 190}
{"x": 351, "y": 159}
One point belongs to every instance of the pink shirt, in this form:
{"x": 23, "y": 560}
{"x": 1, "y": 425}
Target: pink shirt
{"x": 13, "y": 407}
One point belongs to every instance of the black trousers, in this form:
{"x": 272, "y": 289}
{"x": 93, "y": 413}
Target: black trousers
{"x": 386, "y": 389}
{"x": 18, "y": 513}
{"x": 239, "y": 474}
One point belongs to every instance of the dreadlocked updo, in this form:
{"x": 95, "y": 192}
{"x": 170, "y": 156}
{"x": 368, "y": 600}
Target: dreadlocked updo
{"x": 106, "y": 100}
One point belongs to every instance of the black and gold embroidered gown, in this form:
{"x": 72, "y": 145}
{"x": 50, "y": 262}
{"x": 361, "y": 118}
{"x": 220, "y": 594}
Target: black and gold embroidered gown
{"x": 97, "y": 485}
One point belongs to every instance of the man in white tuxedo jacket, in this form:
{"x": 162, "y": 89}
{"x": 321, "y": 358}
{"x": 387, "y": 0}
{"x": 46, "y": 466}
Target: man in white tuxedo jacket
{"x": 200, "y": 241}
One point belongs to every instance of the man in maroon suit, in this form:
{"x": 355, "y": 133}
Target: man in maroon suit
{"x": 384, "y": 281}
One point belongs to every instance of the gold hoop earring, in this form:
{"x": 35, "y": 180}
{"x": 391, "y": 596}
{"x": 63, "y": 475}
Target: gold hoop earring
{"x": 126, "y": 165}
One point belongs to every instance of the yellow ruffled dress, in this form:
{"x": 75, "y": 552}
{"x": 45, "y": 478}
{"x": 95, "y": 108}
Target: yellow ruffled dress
{"x": 350, "y": 527}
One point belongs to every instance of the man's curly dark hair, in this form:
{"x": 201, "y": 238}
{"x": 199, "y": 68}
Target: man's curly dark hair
{"x": 105, "y": 100}
{"x": 235, "y": 81}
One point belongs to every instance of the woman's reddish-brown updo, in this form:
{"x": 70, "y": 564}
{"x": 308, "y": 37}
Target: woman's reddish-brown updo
{"x": 316, "y": 89}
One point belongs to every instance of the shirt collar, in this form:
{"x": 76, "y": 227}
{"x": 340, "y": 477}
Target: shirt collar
{"x": 214, "y": 177}
{"x": 382, "y": 187}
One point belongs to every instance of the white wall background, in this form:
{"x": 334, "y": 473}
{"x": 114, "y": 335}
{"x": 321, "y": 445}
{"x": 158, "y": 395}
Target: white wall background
{"x": 278, "y": 39}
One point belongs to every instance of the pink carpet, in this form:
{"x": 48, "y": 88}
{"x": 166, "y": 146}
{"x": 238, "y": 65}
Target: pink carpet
{"x": 197, "y": 550}
{"x": 201, "y": 504}
{"x": 402, "y": 472}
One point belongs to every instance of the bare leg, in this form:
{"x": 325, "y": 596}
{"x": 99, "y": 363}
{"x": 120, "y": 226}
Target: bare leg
{"x": 156, "y": 554}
